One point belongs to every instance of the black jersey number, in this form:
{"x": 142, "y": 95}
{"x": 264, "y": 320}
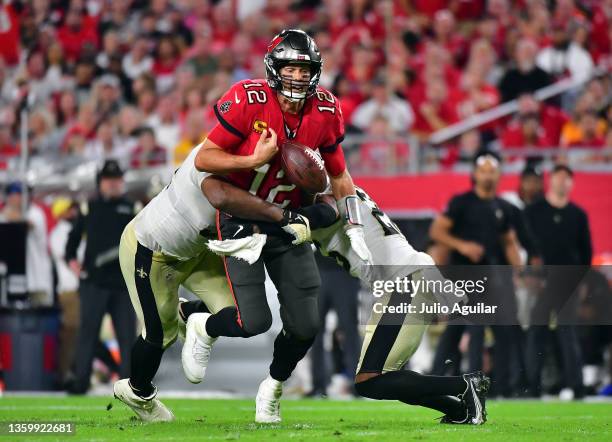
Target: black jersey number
{"x": 388, "y": 226}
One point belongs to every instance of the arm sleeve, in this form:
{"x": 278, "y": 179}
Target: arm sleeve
{"x": 74, "y": 238}
{"x": 233, "y": 118}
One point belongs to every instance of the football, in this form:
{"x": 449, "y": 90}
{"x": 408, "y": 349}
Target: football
{"x": 303, "y": 166}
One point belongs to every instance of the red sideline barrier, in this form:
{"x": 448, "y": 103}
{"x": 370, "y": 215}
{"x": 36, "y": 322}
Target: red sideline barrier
{"x": 592, "y": 191}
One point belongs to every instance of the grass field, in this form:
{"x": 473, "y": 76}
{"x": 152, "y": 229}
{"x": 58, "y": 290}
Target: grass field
{"x": 306, "y": 420}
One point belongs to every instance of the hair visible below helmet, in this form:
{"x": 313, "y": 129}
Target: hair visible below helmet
{"x": 295, "y": 47}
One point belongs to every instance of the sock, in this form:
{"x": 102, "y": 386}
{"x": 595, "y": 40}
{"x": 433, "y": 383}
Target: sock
{"x": 409, "y": 386}
{"x": 225, "y": 323}
{"x": 146, "y": 358}
{"x": 288, "y": 351}
{"x": 189, "y": 307}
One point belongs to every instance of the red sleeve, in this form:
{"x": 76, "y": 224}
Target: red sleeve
{"x": 331, "y": 150}
{"x": 233, "y": 119}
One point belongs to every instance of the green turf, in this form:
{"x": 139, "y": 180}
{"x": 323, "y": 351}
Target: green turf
{"x": 305, "y": 420}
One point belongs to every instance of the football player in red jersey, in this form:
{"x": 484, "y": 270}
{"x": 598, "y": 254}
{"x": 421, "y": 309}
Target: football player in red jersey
{"x": 255, "y": 117}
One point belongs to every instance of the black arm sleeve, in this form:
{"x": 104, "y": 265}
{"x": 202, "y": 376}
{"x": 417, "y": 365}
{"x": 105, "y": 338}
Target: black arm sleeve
{"x": 74, "y": 238}
{"x": 319, "y": 215}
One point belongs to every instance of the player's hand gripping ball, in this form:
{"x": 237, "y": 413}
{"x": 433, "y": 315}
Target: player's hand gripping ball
{"x": 303, "y": 167}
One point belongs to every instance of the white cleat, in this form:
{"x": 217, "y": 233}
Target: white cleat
{"x": 267, "y": 402}
{"x": 197, "y": 347}
{"x": 148, "y": 409}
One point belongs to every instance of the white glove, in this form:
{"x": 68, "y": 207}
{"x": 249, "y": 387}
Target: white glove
{"x": 358, "y": 243}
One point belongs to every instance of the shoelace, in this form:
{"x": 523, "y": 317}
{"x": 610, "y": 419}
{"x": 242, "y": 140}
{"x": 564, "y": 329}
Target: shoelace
{"x": 272, "y": 406}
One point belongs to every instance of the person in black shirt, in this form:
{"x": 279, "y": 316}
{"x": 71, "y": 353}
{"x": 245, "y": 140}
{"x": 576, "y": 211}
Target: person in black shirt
{"x": 563, "y": 237}
{"x": 525, "y": 76}
{"x": 102, "y": 288}
{"x": 477, "y": 228}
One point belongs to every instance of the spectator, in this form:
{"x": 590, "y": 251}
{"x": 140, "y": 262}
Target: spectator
{"x": 165, "y": 122}
{"x": 146, "y": 102}
{"x": 435, "y": 112}
{"x": 589, "y": 131}
{"x": 102, "y": 288}
{"x": 552, "y": 119}
{"x": 65, "y": 212}
{"x": 477, "y": 227}
{"x": 8, "y": 149}
{"x": 383, "y": 153}
{"x": 447, "y": 36}
{"x": 138, "y": 61}
{"x": 565, "y": 57}
{"x": 563, "y": 236}
{"x": 475, "y": 96}
{"x": 107, "y": 95}
{"x": 572, "y": 132}
{"x": 525, "y": 131}
{"x": 76, "y": 33}
{"x": 193, "y": 134}
{"x": 39, "y": 279}
{"x": 395, "y": 110}
{"x": 167, "y": 59}
{"x": 147, "y": 152}
{"x": 525, "y": 76}
{"x": 9, "y": 34}
{"x": 110, "y": 48}
{"x": 106, "y": 146}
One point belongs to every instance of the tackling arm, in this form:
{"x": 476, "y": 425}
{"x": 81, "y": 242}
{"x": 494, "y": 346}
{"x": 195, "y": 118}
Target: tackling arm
{"x": 242, "y": 204}
{"x": 213, "y": 158}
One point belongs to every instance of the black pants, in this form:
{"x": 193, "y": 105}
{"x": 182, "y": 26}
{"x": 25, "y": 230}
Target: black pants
{"x": 559, "y": 296}
{"x": 95, "y": 303}
{"x": 339, "y": 292}
{"x": 505, "y": 351}
{"x": 294, "y": 272}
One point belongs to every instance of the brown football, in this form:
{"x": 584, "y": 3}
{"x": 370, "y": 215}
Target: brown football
{"x": 303, "y": 167}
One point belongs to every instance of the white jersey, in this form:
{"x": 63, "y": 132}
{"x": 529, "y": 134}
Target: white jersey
{"x": 172, "y": 222}
{"x": 388, "y": 246}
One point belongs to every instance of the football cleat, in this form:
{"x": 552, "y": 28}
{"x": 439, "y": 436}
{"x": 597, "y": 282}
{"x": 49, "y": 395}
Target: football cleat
{"x": 196, "y": 349}
{"x": 474, "y": 397}
{"x": 267, "y": 402}
{"x": 148, "y": 409}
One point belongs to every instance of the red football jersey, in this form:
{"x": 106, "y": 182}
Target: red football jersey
{"x": 251, "y": 106}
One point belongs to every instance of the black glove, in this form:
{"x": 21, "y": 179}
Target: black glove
{"x": 234, "y": 228}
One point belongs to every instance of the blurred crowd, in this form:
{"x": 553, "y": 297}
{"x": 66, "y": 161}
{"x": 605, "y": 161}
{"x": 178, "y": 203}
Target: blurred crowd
{"x": 135, "y": 79}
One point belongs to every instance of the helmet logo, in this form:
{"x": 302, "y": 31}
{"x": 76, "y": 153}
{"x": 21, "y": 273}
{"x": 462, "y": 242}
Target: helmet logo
{"x": 274, "y": 43}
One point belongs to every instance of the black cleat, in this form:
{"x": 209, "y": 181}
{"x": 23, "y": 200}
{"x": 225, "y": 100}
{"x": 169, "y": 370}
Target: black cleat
{"x": 474, "y": 397}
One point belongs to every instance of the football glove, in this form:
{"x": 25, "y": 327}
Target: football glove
{"x": 234, "y": 228}
{"x": 297, "y": 226}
